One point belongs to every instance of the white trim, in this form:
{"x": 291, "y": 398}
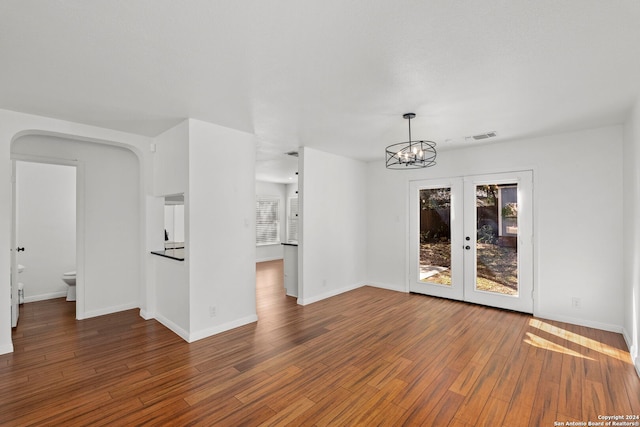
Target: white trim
{"x": 6, "y": 348}
{"x": 579, "y": 322}
{"x": 390, "y": 287}
{"x": 275, "y": 258}
{"x": 33, "y": 158}
{"x": 44, "y": 297}
{"x": 307, "y": 301}
{"x": 173, "y": 327}
{"x": 109, "y": 310}
{"x": 80, "y": 239}
{"x": 632, "y": 350}
{"x": 145, "y": 314}
{"x": 205, "y": 333}
{"x": 13, "y": 243}
{"x": 627, "y": 340}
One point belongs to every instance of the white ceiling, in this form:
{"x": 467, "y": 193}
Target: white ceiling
{"x": 335, "y": 75}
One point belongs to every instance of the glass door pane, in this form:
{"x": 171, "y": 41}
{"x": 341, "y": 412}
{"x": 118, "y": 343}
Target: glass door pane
{"x": 497, "y": 238}
{"x": 435, "y": 240}
{"x": 435, "y": 235}
{"x": 498, "y": 233}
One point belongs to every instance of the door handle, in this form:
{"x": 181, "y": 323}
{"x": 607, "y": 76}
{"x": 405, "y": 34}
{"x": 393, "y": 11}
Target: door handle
{"x": 19, "y": 249}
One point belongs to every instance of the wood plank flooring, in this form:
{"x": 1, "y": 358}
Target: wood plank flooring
{"x": 368, "y": 357}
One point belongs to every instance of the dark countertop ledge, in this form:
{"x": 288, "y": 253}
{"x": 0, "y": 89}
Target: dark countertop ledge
{"x": 176, "y": 254}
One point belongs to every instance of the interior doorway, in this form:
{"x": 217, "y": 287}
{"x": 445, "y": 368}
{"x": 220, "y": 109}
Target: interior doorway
{"x": 471, "y": 239}
{"x": 44, "y": 232}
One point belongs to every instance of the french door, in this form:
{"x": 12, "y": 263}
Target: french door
{"x": 471, "y": 239}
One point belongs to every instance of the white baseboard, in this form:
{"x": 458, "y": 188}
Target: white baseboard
{"x": 222, "y": 328}
{"x": 396, "y": 288}
{"x": 43, "y": 297}
{"x": 628, "y": 341}
{"x": 146, "y": 315}
{"x": 276, "y": 258}
{"x": 633, "y": 350}
{"x": 7, "y": 348}
{"x": 311, "y": 300}
{"x": 108, "y": 310}
{"x": 579, "y": 322}
{"x": 173, "y": 327}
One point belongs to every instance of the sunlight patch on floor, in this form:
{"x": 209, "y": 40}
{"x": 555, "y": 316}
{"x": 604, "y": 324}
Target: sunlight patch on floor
{"x": 540, "y": 342}
{"x": 580, "y": 340}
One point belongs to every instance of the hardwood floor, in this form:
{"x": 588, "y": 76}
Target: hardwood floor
{"x": 367, "y": 357}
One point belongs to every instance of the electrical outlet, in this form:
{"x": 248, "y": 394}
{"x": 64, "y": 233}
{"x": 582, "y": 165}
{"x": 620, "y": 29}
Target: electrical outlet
{"x": 324, "y": 283}
{"x": 576, "y": 303}
{"x": 212, "y": 311}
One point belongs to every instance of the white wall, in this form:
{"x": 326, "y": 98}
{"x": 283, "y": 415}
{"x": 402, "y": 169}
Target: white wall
{"x": 221, "y": 246}
{"x": 631, "y": 242}
{"x": 213, "y": 289}
{"x": 291, "y": 190}
{"x": 14, "y": 125}
{"x": 171, "y": 176}
{"x": 333, "y": 240}
{"x": 178, "y": 223}
{"x": 171, "y": 161}
{"x": 110, "y": 199}
{"x": 271, "y": 252}
{"x": 174, "y": 222}
{"x": 577, "y": 219}
{"x": 292, "y": 193}
{"x": 46, "y": 227}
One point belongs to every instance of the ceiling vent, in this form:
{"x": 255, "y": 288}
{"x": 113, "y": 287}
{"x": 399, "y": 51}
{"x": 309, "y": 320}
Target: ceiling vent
{"x": 484, "y": 135}
{"x": 292, "y": 153}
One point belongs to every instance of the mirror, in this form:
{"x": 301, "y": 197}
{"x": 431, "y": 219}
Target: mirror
{"x": 174, "y": 221}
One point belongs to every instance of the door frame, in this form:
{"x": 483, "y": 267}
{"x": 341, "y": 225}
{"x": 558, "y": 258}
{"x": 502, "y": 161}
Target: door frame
{"x": 15, "y": 302}
{"x": 523, "y": 302}
{"x": 524, "y": 178}
{"x": 455, "y": 290}
{"x": 80, "y": 221}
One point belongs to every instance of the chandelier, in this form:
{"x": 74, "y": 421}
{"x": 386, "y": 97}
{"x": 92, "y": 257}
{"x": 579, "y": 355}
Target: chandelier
{"x": 411, "y": 154}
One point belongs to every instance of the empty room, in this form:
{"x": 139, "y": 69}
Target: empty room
{"x": 320, "y": 213}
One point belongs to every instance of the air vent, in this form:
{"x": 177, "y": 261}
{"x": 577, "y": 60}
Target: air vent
{"x": 292, "y": 153}
{"x": 484, "y": 135}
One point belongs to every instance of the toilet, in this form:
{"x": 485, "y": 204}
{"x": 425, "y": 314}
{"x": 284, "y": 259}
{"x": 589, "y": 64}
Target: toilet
{"x": 70, "y": 279}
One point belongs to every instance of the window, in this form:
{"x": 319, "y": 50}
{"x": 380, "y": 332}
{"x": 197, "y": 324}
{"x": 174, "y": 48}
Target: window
{"x": 267, "y": 221}
{"x": 292, "y": 221}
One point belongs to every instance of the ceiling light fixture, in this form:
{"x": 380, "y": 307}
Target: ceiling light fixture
{"x": 411, "y": 154}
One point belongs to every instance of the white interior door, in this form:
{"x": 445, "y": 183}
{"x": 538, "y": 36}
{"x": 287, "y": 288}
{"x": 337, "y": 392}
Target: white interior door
{"x": 471, "y": 239}
{"x": 15, "y": 303}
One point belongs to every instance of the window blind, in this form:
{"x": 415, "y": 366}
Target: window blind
{"x": 267, "y": 220}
